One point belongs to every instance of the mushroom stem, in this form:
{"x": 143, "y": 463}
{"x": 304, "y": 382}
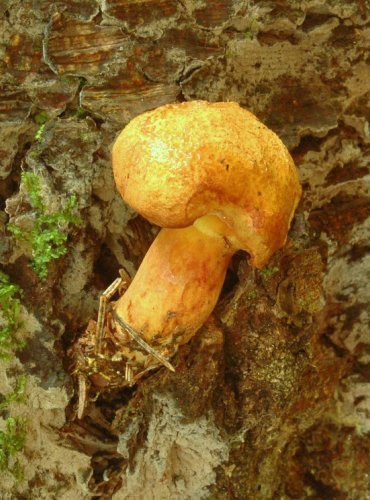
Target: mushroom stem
{"x": 178, "y": 283}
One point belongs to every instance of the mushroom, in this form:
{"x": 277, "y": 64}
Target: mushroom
{"x": 216, "y": 180}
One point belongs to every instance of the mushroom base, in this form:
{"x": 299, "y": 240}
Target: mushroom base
{"x": 177, "y": 285}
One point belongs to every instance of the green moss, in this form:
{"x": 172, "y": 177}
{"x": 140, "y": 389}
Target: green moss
{"x": 39, "y": 133}
{"x": 12, "y": 441}
{"x": 49, "y": 234}
{"x": 9, "y": 317}
{"x": 16, "y": 396}
{"x": 32, "y": 185}
{"x": 41, "y": 119}
{"x": 12, "y": 438}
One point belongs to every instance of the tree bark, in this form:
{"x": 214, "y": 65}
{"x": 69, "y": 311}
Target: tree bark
{"x": 271, "y": 399}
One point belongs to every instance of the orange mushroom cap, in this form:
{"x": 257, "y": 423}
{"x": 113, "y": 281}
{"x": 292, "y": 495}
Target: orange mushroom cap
{"x": 180, "y": 162}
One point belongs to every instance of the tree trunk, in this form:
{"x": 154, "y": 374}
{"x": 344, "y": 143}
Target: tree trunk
{"x": 271, "y": 399}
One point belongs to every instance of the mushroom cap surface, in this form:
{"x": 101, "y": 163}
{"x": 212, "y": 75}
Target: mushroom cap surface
{"x": 182, "y": 161}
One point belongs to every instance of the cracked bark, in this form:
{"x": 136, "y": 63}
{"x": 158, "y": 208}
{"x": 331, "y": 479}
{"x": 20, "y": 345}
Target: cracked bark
{"x": 271, "y": 399}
